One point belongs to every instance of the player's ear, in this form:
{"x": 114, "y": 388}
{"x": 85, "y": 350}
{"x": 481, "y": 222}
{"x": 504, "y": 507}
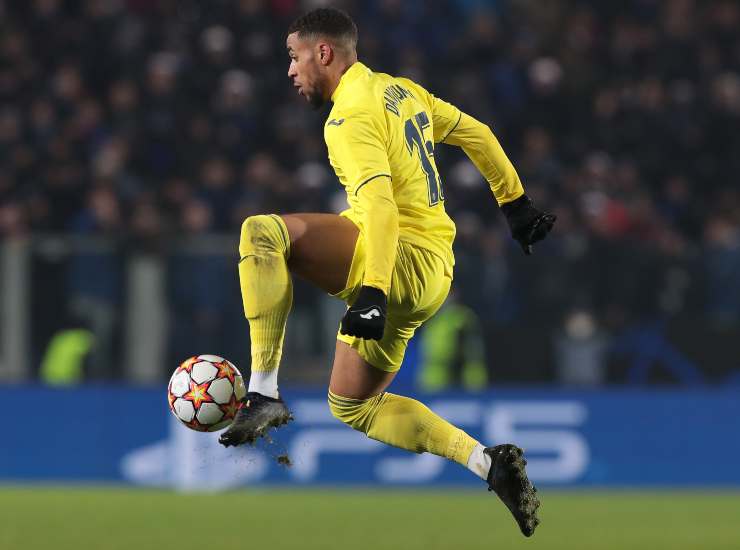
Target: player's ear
{"x": 326, "y": 54}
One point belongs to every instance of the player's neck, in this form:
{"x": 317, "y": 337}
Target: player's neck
{"x": 336, "y": 76}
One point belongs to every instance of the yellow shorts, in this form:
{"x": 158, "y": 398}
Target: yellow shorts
{"x": 419, "y": 286}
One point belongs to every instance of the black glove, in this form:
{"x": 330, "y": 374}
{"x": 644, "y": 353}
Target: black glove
{"x": 366, "y": 317}
{"x": 528, "y": 225}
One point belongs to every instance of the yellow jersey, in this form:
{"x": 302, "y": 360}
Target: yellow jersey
{"x": 380, "y": 136}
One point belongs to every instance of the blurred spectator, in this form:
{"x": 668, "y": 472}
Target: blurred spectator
{"x": 452, "y": 350}
{"x": 723, "y": 261}
{"x": 95, "y": 277}
{"x": 581, "y": 349}
{"x": 200, "y": 295}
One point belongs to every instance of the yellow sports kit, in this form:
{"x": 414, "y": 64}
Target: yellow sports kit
{"x": 380, "y": 135}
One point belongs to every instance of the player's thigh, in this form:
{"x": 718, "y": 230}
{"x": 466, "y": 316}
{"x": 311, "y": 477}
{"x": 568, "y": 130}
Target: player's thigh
{"x": 321, "y": 248}
{"x": 419, "y": 286}
{"x": 355, "y": 378}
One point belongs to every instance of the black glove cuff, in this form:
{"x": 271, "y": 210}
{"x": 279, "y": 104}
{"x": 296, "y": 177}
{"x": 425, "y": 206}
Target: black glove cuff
{"x": 520, "y": 214}
{"x": 514, "y": 206}
{"x": 370, "y": 296}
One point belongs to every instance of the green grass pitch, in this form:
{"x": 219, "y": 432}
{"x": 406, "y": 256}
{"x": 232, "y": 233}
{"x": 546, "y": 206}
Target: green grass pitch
{"x": 274, "y": 519}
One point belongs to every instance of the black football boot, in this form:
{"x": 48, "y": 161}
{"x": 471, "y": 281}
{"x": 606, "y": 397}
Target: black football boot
{"x": 508, "y": 478}
{"x": 256, "y": 416}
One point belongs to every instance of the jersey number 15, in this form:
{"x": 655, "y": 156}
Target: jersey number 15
{"x": 415, "y": 140}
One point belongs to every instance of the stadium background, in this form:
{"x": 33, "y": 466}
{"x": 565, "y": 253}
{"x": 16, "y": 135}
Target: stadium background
{"x": 135, "y": 136}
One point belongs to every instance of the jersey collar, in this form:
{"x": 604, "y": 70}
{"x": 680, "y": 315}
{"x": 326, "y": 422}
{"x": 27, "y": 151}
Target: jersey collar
{"x": 350, "y": 76}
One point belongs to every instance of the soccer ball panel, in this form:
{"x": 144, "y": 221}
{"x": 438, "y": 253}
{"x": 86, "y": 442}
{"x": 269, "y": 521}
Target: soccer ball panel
{"x": 211, "y": 358}
{"x": 221, "y": 390}
{"x": 184, "y": 410}
{"x": 239, "y": 390}
{"x": 180, "y": 383}
{"x": 209, "y": 413}
{"x": 203, "y": 371}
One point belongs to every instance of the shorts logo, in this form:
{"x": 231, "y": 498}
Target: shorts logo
{"x": 335, "y": 122}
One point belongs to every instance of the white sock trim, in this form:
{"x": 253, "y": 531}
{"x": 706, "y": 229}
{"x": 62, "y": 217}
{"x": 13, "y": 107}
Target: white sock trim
{"x": 264, "y": 382}
{"x": 479, "y": 463}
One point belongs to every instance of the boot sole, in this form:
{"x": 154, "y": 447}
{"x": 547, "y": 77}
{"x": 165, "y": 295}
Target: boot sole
{"x": 233, "y": 438}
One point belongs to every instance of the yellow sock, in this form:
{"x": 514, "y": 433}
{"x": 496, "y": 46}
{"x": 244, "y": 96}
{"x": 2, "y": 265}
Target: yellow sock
{"x": 267, "y": 294}
{"x": 405, "y": 423}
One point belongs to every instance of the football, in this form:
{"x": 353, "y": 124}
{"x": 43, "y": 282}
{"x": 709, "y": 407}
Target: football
{"x": 205, "y": 392}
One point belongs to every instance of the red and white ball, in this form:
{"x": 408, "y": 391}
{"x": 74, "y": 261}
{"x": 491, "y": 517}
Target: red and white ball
{"x": 205, "y": 392}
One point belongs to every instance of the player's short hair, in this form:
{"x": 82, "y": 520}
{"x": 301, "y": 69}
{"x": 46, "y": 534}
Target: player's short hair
{"x": 331, "y": 23}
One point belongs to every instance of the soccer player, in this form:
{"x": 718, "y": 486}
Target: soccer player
{"x": 389, "y": 256}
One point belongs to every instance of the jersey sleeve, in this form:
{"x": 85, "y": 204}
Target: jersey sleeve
{"x": 445, "y": 116}
{"x": 454, "y": 127}
{"x": 482, "y": 147}
{"x": 381, "y": 232}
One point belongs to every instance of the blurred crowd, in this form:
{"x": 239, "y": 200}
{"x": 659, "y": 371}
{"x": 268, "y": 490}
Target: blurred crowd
{"x": 147, "y": 120}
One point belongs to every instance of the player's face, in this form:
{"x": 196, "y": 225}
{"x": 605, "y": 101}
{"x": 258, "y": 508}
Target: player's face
{"x": 305, "y": 70}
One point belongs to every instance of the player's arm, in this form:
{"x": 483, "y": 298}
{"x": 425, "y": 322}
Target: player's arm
{"x": 380, "y": 221}
{"x": 359, "y": 152}
{"x": 486, "y": 153}
{"x": 528, "y": 225}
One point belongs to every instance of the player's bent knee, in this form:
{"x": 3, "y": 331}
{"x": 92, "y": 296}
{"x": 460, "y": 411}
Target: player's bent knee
{"x": 356, "y": 413}
{"x": 261, "y": 232}
{"x": 253, "y": 227}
